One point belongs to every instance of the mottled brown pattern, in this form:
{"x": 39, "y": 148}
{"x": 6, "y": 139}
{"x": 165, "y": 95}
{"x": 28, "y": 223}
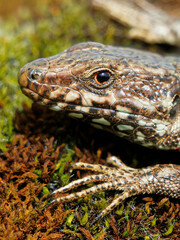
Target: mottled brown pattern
{"x": 139, "y": 100}
{"x": 142, "y": 92}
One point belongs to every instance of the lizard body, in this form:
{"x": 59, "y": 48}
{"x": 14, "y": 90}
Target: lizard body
{"x": 131, "y": 93}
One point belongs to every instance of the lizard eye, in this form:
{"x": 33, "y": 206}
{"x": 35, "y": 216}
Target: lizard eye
{"x": 102, "y": 77}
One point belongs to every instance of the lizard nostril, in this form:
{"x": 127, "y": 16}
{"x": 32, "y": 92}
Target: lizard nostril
{"x": 34, "y": 75}
{"x": 175, "y": 107}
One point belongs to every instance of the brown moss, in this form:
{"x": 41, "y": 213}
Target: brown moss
{"x": 29, "y": 167}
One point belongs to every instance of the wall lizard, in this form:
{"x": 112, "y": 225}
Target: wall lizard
{"x": 132, "y": 93}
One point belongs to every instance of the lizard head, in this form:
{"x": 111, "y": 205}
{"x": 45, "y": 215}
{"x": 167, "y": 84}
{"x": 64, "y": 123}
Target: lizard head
{"x": 134, "y": 94}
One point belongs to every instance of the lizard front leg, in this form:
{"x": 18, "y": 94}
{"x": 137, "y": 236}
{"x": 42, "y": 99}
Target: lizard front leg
{"x": 158, "y": 179}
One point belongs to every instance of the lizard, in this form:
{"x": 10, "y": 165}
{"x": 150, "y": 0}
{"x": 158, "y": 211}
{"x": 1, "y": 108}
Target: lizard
{"x": 132, "y": 93}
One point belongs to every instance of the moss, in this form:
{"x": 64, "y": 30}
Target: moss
{"x": 32, "y": 167}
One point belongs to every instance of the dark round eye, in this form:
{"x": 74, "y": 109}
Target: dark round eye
{"x": 102, "y": 77}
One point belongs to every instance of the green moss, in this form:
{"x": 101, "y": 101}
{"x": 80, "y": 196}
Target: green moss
{"x": 70, "y": 219}
{"x": 170, "y": 229}
{"x": 84, "y": 219}
{"x": 59, "y": 173}
{"x": 45, "y": 190}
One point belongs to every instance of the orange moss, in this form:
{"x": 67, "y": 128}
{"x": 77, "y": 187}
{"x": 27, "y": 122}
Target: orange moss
{"x": 30, "y": 164}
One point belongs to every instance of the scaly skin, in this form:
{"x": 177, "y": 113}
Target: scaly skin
{"x": 131, "y": 93}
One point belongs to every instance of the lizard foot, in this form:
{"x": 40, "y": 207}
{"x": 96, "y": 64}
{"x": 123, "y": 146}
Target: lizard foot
{"x": 158, "y": 179}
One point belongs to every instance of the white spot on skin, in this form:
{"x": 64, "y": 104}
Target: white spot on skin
{"x": 123, "y": 109}
{"x": 101, "y": 121}
{"x": 62, "y": 105}
{"x": 120, "y": 134}
{"x": 106, "y": 112}
{"x": 165, "y": 172}
{"x": 163, "y": 147}
{"x": 97, "y": 126}
{"x": 122, "y": 115}
{"x": 85, "y": 109}
{"x": 72, "y": 96}
{"x": 144, "y": 104}
{"x": 76, "y": 115}
{"x": 55, "y": 108}
{"x": 156, "y": 121}
{"x": 159, "y": 71}
{"x": 124, "y": 127}
{"x": 161, "y": 132}
{"x": 160, "y": 127}
{"x": 88, "y": 98}
{"x": 58, "y": 92}
{"x": 176, "y": 126}
{"x": 149, "y": 124}
{"x": 77, "y": 108}
{"x": 140, "y": 136}
{"x": 166, "y": 103}
{"x": 142, "y": 123}
{"x": 140, "y": 139}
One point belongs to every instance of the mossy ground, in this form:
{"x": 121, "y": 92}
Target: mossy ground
{"x": 38, "y": 145}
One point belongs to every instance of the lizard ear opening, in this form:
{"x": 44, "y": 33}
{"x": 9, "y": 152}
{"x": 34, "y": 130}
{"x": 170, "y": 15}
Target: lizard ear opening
{"x": 175, "y": 111}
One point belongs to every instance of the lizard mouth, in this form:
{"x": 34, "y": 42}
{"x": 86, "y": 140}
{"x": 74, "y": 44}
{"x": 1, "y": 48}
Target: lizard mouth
{"x": 78, "y": 108}
{"x": 133, "y": 127}
{"x": 70, "y": 107}
{"x": 108, "y": 119}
